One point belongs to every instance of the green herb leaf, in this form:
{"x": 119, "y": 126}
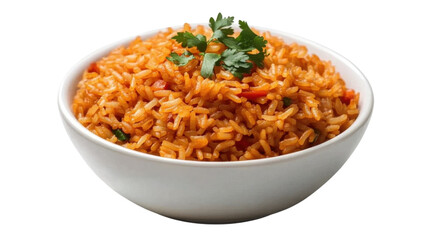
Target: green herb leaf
{"x": 121, "y": 135}
{"x": 287, "y": 102}
{"x": 180, "y": 60}
{"x": 317, "y": 134}
{"x": 210, "y": 60}
{"x": 188, "y": 39}
{"x": 229, "y": 42}
{"x": 236, "y": 62}
{"x": 235, "y": 59}
{"x": 220, "y": 22}
{"x": 248, "y": 40}
{"x": 219, "y": 27}
{"x": 258, "y": 58}
{"x": 232, "y": 57}
{"x": 221, "y": 34}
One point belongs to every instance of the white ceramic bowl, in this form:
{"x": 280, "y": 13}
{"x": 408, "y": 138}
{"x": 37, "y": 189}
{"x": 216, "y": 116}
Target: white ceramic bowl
{"x": 217, "y": 192}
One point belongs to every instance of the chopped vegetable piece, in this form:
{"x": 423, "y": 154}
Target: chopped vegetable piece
{"x": 349, "y": 94}
{"x": 181, "y": 60}
{"x": 160, "y": 85}
{"x": 287, "y": 102}
{"x": 251, "y": 95}
{"x": 121, "y": 135}
{"x": 317, "y": 134}
{"x": 242, "y": 144}
{"x": 93, "y": 68}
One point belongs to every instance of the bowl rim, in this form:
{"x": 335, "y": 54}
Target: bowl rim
{"x": 69, "y": 118}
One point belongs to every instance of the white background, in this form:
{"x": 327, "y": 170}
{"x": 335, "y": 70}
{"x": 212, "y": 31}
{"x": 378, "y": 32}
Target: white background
{"x": 48, "y": 192}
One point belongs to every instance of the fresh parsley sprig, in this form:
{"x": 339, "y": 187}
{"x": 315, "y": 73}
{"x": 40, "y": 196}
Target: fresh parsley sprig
{"x": 236, "y": 59}
{"x": 181, "y": 60}
{"x": 236, "y": 62}
{"x": 221, "y": 27}
{"x": 189, "y": 40}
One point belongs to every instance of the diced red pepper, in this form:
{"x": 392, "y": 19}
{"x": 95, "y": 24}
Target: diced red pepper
{"x": 349, "y": 94}
{"x": 93, "y": 68}
{"x": 252, "y": 95}
{"x": 242, "y": 144}
{"x": 160, "y": 85}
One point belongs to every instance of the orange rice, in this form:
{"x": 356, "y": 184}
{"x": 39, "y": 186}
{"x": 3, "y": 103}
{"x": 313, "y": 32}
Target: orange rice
{"x": 208, "y": 119}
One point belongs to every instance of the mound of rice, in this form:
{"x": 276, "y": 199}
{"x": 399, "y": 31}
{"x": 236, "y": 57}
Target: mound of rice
{"x": 190, "y": 117}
